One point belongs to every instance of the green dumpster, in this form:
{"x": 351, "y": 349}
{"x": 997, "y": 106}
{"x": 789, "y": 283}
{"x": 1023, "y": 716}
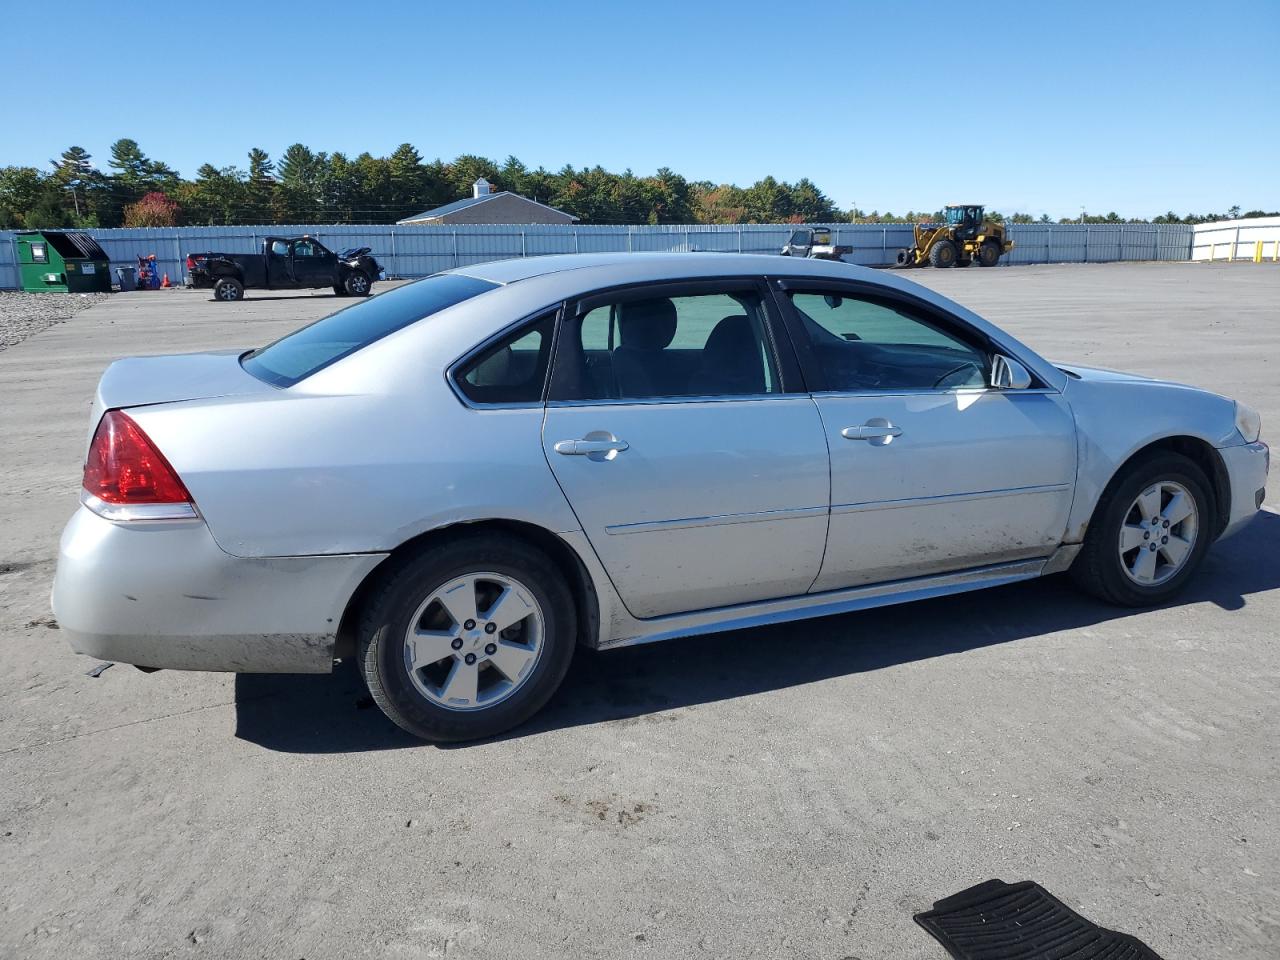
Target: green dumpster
{"x": 62, "y": 260}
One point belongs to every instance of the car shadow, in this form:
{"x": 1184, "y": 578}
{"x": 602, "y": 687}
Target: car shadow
{"x": 333, "y": 713}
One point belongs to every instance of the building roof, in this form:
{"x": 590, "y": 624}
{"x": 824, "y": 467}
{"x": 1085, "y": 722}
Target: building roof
{"x": 457, "y": 205}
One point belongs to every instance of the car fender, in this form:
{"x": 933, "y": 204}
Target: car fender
{"x": 1117, "y": 418}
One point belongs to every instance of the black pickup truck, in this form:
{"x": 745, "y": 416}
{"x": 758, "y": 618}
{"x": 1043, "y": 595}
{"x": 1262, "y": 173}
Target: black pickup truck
{"x": 285, "y": 263}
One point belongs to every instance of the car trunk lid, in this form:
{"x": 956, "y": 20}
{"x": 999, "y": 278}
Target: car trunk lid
{"x": 146, "y": 381}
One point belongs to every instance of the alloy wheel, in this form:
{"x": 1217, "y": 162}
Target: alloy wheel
{"x": 1159, "y": 533}
{"x": 474, "y": 641}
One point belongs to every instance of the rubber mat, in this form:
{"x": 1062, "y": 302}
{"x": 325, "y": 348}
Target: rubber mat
{"x": 1023, "y": 921}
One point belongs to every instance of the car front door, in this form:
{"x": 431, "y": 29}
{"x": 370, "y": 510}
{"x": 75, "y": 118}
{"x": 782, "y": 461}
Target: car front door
{"x": 932, "y": 470}
{"x": 686, "y": 447}
{"x": 313, "y": 265}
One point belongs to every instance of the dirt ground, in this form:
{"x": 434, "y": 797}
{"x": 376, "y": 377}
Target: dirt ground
{"x": 792, "y": 791}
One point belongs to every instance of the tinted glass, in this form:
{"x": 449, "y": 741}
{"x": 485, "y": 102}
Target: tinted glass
{"x": 865, "y": 345}
{"x": 707, "y": 345}
{"x": 302, "y": 353}
{"x": 512, "y": 370}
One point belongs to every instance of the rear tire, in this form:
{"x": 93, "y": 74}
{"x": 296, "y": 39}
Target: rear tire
{"x": 943, "y": 254}
{"x": 357, "y": 283}
{"x": 989, "y": 254}
{"x": 1130, "y": 547}
{"x": 228, "y": 290}
{"x": 413, "y": 680}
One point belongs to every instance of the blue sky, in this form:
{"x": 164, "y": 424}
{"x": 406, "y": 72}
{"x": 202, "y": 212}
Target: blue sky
{"x": 1031, "y": 106}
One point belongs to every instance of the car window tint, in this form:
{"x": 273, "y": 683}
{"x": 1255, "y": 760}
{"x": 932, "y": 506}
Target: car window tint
{"x": 704, "y": 345}
{"x": 514, "y": 369}
{"x": 280, "y": 248}
{"x": 866, "y": 345}
{"x": 306, "y": 351}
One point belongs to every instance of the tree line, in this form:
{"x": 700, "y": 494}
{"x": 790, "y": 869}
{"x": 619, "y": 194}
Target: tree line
{"x": 308, "y": 186}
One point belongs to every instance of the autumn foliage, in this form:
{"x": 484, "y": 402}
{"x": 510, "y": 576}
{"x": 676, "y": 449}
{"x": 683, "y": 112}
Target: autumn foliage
{"x": 153, "y": 210}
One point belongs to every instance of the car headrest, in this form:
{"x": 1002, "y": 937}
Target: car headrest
{"x": 647, "y": 324}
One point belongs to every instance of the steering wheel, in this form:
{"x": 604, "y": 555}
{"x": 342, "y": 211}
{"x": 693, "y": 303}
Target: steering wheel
{"x": 962, "y": 368}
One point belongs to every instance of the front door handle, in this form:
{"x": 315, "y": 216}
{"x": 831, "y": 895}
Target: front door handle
{"x": 877, "y": 431}
{"x": 595, "y": 448}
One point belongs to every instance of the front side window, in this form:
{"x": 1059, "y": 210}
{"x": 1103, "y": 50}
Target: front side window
{"x": 280, "y": 248}
{"x": 305, "y": 248}
{"x": 311, "y": 349}
{"x": 870, "y": 345}
{"x": 514, "y": 369}
{"x": 706, "y": 345}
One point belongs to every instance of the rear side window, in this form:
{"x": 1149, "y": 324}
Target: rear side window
{"x": 514, "y": 369}
{"x": 704, "y": 345}
{"x": 306, "y": 351}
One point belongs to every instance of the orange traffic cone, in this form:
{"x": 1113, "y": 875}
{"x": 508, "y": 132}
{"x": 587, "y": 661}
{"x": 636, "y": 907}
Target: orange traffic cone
{"x": 165, "y": 281}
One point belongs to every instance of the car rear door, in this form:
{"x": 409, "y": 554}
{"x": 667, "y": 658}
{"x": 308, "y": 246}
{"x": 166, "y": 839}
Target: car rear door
{"x": 313, "y": 265}
{"x": 683, "y": 440}
{"x": 931, "y": 469}
{"x": 278, "y": 263}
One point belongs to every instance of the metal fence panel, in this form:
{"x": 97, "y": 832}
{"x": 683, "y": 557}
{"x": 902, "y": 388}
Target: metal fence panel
{"x": 417, "y": 251}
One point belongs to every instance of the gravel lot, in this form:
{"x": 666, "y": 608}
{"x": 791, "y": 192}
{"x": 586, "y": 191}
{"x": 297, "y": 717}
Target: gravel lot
{"x": 792, "y": 791}
{"x": 24, "y": 315}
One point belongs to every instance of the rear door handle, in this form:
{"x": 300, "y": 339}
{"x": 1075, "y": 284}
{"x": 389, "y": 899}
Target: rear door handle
{"x": 584, "y": 448}
{"x": 878, "y": 431}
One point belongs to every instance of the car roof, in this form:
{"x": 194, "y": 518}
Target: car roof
{"x": 639, "y": 267}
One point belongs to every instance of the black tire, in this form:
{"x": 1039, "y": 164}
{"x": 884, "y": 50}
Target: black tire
{"x": 989, "y": 254}
{"x": 385, "y": 619}
{"x": 906, "y": 258}
{"x": 357, "y": 283}
{"x": 228, "y": 290}
{"x": 943, "y": 254}
{"x": 1098, "y": 568}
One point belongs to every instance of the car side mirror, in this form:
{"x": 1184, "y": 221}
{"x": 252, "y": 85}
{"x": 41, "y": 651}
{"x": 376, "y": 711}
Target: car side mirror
{"x": 1008, "y": 374}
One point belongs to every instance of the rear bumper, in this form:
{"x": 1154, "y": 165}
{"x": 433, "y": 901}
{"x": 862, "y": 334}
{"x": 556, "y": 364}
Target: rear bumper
{"x": 163, "y": 594}
{"x": 1247, "y": 467}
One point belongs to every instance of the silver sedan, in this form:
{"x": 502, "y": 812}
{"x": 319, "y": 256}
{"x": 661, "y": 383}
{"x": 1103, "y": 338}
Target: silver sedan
{"x": 460, "y": 481}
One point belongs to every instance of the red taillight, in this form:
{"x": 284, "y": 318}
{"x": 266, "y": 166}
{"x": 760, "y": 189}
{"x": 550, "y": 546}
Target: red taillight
{"x": 124, "y": 467}
{"x": 191, "y": 262}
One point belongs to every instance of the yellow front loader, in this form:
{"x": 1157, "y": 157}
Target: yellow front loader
{"x": 965, "y": 236}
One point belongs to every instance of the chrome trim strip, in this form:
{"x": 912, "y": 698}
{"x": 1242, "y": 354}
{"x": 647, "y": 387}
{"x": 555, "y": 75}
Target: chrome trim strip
{"x": 653, "y": 401}
{"x": 955, "y": 391}
{"x": 689, "y": 523}
{"x": 138, "y": 511}
{"x": 825, "y": 604}
{"x": 839, "y": 508}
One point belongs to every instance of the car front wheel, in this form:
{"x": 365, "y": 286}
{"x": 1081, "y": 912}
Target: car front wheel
{"x": 467, "y": 640}
{"x": 1149, "y": 533}
{"x": 357, "y": 284}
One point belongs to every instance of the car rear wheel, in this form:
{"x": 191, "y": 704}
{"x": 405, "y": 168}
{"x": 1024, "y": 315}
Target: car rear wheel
{"x": 467, "y": 640}
{"x": 988, "y": 254}
{"x": 357, "y": 284}
{"x": 228, "y": 290}
{"x": 1149, "y": 533}
{"x": 943, "y": 254}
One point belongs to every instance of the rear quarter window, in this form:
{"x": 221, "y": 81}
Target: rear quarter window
{"x": 304, "y": 352}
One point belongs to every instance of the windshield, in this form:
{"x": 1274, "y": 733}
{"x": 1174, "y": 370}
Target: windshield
{"x": 304, "y": 352}
{"x": 955, "y": 215}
